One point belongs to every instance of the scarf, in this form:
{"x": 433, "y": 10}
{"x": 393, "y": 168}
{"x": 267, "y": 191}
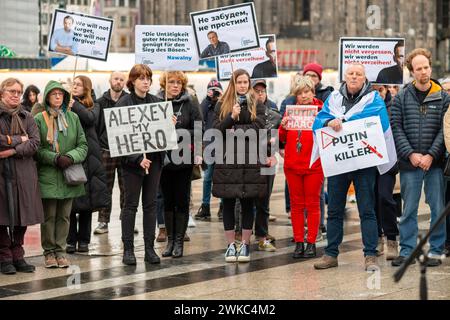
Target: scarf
{"x": 55, "y": 123}
{"x": 16, "y": 122}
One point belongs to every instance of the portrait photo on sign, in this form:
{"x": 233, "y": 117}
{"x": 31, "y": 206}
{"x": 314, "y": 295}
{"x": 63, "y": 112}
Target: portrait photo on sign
{"x": 260, "y": 63}
{"x": 78, "y": 34}
{"x": 225, "y": 30}
{"x": 383, "y": 58}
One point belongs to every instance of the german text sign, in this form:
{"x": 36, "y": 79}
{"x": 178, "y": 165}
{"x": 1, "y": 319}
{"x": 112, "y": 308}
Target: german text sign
{"x": 300, "y": 117}
{"x": 359, "y": 145}
{"x": 166, "y": 47}
{"x": 140, "y": 129}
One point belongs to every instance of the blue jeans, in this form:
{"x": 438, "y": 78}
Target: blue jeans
{"x": 364, "y": 181}
{"x": 207, "y": 184}
{"x": 411, "y": 190}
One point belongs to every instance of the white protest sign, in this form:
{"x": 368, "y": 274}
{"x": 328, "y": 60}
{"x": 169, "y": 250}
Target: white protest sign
{"x": 140, "y": 129}
{"x": 360, "y": 144}
{"x": 166, "y": 47}
{"x": 79, "y": 34}
{"x": 225, "y": 30}
{"x": 301, "y": 117}
{"x": 383, "y": 58}
{"x": 259, "y": 63}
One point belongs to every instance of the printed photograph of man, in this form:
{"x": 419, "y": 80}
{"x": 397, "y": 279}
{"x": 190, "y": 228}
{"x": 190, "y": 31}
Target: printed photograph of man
{"x": 394, "y": 74}
{"x": 267, "y": 69}
{"x": 62, "y": 38}
{"x": 216, "y": 47}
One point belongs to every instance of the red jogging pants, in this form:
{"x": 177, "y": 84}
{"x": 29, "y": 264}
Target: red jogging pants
{"x": 304, "y": 193}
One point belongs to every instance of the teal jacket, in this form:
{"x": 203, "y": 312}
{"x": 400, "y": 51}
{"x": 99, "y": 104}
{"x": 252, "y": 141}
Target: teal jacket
{"x": 74, "y": 145}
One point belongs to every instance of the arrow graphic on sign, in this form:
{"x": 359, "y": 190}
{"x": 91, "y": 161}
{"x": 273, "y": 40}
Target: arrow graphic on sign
{"x": 327, "y": 139}
{"x": 373, "y": 149}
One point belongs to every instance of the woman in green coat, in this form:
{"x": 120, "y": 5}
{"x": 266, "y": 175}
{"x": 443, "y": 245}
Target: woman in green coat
{"x": 63, "y": 144}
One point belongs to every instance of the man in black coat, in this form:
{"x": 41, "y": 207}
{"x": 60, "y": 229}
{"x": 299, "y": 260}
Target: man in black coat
{"x": 108, "y": 100}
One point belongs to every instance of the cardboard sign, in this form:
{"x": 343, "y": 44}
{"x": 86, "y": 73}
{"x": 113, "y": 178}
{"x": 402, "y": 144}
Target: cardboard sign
{"x": 301, "y": 117}
{"x": 359, "y": 145}
{"x": 166, "y": 48}
{"x": 140, "y": 129}
{"x": 260, "y": 63}
{"x": 382, "y": 58}
{"x": 225, "y": 30}
{"x": 78, "y": 34}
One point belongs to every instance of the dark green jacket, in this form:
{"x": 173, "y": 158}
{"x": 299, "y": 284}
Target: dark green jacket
{"x": 51, "y": 179}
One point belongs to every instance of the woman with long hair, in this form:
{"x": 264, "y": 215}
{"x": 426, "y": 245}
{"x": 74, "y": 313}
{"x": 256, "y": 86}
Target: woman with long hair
{"x": 238, "y": 109}
{"x": 30, "y": 97}
{"x": 96, "y": 191}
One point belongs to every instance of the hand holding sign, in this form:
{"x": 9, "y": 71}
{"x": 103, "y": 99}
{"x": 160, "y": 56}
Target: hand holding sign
{"x": 335, "y": 124}
{"x": 145, "y": 164}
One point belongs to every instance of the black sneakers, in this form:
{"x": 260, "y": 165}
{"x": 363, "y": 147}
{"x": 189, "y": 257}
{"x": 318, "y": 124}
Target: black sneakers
{"x": 204, "y": 213}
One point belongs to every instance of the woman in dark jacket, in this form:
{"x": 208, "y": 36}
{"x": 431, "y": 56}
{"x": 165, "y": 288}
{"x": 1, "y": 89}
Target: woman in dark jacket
{"x": 19, "y": 141}
{"x": 135, "y": 178}
{"x": 30, "y": 97}
{"x": 96, "y": 191}
{"x": 176, "y": 195}
{"x": 238, "y": 109}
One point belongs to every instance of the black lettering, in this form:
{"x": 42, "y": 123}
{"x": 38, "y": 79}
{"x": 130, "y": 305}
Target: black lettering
{"x": 362, "y": 135}
{"x": 163, "y": 108}
{"x": 122, "y": 122}
{"x": 161, "y": 139}
{"x": 143, "y": 114}
{"x": 153, "y": 113}
{"x": 113, "y": 118}
{"x": 335, "y": 141}
{"x": 122, "y": 144}
{"x": 147, "y": 138}
{"x": 338, "y": 157}
{"x": 134, "y": 142}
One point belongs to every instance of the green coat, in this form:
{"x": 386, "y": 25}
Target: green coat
{"x": 51, "y": 179}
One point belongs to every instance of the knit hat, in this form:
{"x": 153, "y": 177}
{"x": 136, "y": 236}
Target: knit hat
{"x": 314, "y": 67}
{"x": 214, "y": 85}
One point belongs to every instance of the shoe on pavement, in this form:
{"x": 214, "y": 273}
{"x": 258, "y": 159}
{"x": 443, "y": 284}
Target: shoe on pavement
{"x": 101, "y": 228}
{"x": 71, "y": 248}
{"x": 136, "y": 231}
{"x": 265, "y": 245}
{"x": 50, "y": 261}
{"x": 62, "y": 262}
{"x": 310, "y": 251}
{"x": 272, "y": 218}
{"x": 370, "y": 263}
{"x": 392, "y": 250}
{"x": 186, "y": 237}
{"x": 7, "y": 268}
{"x": 162, "y": 235}
{"x": 326, "y": 262}
{"x": 434, "y": 262}
{"x": 22, "y": 266}
{"x": 231, "y": 253}
{"x": 83, "y": 247}
{"x": 319, "y": 236}
{"x": 397, "y": 262}
{"x": 243, "y": 254}
{"x": 203, "y": 213}
{"x": 380, "y": 246}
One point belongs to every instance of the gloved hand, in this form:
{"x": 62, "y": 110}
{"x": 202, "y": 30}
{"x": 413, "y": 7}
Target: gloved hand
{"x": 64, "y": 162}
{"x": 7, "y": 153}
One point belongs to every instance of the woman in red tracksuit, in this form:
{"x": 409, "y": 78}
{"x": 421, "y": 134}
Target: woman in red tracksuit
{"x": 304, "y": 182}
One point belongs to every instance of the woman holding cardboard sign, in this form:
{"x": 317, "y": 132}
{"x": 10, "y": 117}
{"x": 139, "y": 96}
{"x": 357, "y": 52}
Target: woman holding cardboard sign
{"x": 304, "y": 182}
{"x": 135, "y": 178}
{"x": 176, "y": 195}
{"x": 238, "y": 109}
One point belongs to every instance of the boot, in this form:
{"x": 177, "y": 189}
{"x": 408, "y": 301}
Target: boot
{"x": 150, "y": 254}
{"x": 204, "y": 213}
{"x": 392, "y": 250}
{"x": 128, "y": 254}
{"x": 162, "y": 235}
{"x": 299, "y": 250}
{"x": 310, "y": 251}
{"x": 168, "y": 220}
{"x": 180, "y": 231}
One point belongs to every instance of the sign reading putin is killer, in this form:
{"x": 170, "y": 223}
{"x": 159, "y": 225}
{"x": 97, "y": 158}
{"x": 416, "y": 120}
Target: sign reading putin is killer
{"x": 359, "y": 145}
{"x": 140, "y": 129}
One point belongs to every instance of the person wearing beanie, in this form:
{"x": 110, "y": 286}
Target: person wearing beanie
{"x": 314, "y": 71}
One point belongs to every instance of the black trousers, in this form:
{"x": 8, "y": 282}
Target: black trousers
{"x": 263, "y": 210}
{"x": 80, "y": 228}
{"x": 447, "y": 221}
{"x": 247, "y": 206}
{"x": 176, "y": 190}
{"x": 386, "y": 206}
{"x": 133, "y": 185}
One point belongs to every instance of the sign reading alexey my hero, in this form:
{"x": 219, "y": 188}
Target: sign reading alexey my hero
{"x": 360, "y": 144}
{"x": 140, "y": 129}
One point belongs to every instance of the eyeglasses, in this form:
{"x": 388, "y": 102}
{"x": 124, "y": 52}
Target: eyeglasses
{"x": 260, "y": 91}
{"x": 56, "y": 94}
{"x": 15, "y": 92}
{"x": 175, "y": 82}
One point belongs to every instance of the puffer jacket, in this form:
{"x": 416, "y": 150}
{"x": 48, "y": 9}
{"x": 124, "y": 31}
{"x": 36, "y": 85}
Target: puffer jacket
{"x": 96, "y": 188}
{"x": 417, "y": 128}
{"x": 239, "y": 180}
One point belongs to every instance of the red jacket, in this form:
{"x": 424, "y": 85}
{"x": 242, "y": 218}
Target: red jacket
{"x": 299, "y": 161}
